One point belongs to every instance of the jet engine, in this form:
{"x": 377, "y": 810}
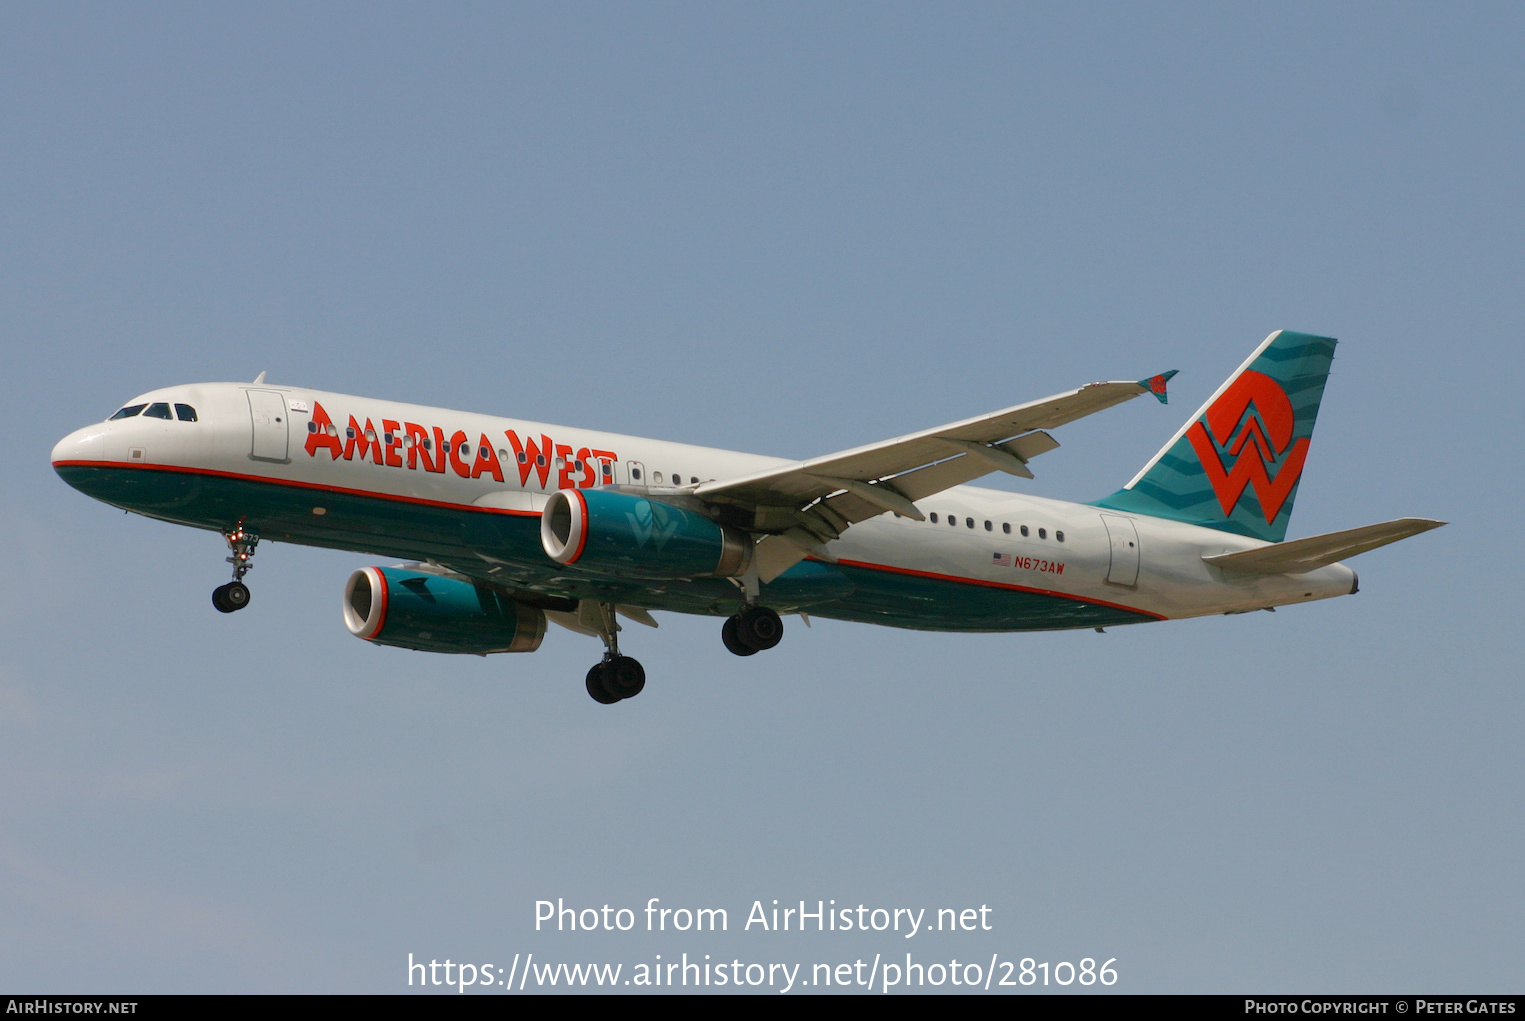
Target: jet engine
{"x": 607, "y": 531}
{"x": 431, "y": 613}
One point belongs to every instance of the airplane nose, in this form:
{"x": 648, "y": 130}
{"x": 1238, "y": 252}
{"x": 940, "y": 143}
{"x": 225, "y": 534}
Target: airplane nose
{"x": 80, "y": 445}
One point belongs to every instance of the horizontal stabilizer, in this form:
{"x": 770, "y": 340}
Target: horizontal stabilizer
{"x": 1317, "y": 551}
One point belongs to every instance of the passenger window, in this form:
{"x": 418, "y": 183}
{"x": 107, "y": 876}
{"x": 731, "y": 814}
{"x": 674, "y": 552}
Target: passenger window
{"x": 969, "y": 522}
{"x": 1059, "y": 536}
{"x": 989, "y": 527}
{"x": 127, "y": 412}
{"x": 187, "y": 413}
{"x": 693, "y": 480}
{"x": 952, "y": 520}
{"x": 635, "y": 473}
{"x": 656, "y": 477}
{"x": 1024, "y": 531}
{"x": 159, "y": 410}
{"x": 1006, "y": 527}
{"x": 1043, "y": 533}
{"x": 934, "y": 517}
{"x": 312, "y": 426}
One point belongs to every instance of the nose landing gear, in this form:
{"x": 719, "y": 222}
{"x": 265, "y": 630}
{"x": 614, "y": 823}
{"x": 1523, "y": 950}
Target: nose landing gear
{"x": 235, "y": 594}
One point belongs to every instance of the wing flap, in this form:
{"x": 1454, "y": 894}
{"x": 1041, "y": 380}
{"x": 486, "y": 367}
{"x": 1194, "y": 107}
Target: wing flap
{"x": 1301, "y": 555}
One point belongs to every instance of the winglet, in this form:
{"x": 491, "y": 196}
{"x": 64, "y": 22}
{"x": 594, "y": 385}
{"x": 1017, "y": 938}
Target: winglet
{"x": 260, "y": 378}
{"x": 1156, "y": 385}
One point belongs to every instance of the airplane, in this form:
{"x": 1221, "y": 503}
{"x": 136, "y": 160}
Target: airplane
{"x": 505, "y": 526}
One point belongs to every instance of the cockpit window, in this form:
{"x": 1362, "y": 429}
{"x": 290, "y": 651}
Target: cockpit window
{"x": 127, "y": 412}
{"x": 159, "y": 410}
{"x": 185, "y": 412}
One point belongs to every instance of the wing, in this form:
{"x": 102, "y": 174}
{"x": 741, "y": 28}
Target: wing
{"x": 801, "y": 506}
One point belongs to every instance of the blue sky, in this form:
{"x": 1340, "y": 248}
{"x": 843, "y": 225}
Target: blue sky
{"x": 789, "y": 229}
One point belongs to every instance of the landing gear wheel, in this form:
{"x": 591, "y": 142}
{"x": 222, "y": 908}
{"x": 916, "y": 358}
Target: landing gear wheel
{"x": 230, "y": 597}
{"x": 624, "y": 676}
{"x": 236, "y": 595}
{"x": 615, "y": 679}
{"x": 732, "y": 641}
{"x": 759, "y": 628}
{"x": 596, "y": 686}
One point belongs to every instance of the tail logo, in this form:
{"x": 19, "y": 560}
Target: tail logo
{"x": 1251, "y": 422}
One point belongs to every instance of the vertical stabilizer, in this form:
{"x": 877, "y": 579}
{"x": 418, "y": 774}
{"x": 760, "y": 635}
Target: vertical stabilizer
{"x": 1236, "y": 463}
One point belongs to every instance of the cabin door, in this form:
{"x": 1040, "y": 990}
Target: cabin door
{"x": 271, "y": 429}
{"x": 1124, "y": 540}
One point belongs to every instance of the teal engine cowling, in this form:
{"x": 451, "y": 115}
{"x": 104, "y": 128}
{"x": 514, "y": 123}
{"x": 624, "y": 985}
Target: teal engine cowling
{"x": 624, "y": 533}
{"x": 431, "y": 613}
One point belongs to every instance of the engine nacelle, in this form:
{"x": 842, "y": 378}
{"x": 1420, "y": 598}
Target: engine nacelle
{"x": 411, "y": 610}
{"x": 603, "y": 530}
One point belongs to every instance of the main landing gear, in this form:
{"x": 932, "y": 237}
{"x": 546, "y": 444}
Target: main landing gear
{"x": 616, "y": 677}
{"x": 235, "y": 594}
{"x": 755, "y": 629}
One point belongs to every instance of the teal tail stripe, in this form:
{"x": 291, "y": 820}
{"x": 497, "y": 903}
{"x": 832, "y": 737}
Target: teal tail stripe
{"x": 1236, "y": 464}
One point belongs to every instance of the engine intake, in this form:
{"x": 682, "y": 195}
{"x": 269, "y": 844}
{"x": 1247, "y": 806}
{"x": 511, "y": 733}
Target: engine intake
{"x": 412, "y": 610}
{"x": 601, "y": 530}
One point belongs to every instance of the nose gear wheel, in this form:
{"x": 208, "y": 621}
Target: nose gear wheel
{"x": 230, "y": 597}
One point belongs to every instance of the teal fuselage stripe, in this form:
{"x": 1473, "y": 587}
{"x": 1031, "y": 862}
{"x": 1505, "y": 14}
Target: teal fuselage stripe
{"x": 504, "y": 548}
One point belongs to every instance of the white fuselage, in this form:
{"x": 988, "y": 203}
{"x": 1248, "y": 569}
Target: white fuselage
{"x": 397, "y": 451}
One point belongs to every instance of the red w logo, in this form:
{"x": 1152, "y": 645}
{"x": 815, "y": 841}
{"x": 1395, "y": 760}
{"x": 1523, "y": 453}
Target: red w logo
{"x": 1267, "y": 435}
